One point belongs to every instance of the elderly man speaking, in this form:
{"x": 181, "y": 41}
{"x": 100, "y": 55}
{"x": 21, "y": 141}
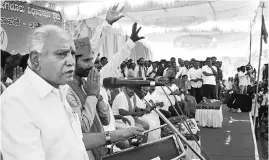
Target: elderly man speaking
{"x": 37, "y": 121}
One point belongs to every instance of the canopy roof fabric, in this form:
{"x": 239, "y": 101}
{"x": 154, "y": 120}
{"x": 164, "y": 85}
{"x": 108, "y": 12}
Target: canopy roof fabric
{"x": 192, "y": 27}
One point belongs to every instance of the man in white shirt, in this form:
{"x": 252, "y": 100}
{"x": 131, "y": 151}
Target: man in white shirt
{"x": 37, "y": 121}
{"x": 195, "y": 76}
{"x": 131, "y": 70}
{"x": 182, "y": 70}
{"x": 151, "y": 117}
{"x": 169, "y": 71}
{"x": 209, "y": 79}
{"x": 125, "y": 105}
{"x": 242, "y": 75}
{"x": 152, "y": 72}
{"x": 140, "y": 70}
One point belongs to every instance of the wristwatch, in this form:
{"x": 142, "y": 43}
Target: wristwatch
{"x": 108, "y": 138}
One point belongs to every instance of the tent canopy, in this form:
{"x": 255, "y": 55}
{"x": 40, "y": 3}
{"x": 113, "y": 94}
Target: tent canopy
{"x": 185, "y": 28}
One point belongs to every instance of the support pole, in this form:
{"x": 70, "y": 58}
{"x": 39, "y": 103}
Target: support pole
{"x": 259, "y": 68}
{"x": 250, "y": 41}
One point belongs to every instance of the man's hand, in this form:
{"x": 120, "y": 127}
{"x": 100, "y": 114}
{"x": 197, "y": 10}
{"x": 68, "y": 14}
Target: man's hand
{"x": 92, "y": 85}
{"x": 140, "y": 114}
{"x": 17, "y": 73}
{"x": 112, "y": 15}
{"x": 125, "y": 120}
{"x": 160, "y": 104}
{"x": 129, "y": 132}
{"x": 134, "y": 36}
{"x": 146, "y": 111}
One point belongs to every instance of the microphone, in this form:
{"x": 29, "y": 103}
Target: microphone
{"x": 142, "y": 78}
{"x": 117, "y": 83}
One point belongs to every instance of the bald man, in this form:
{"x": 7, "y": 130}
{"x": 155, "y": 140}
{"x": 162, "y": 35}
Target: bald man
{"x": 37, "y": 121}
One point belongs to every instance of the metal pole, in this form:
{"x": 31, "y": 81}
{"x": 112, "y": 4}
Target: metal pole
{"x": 175, "y": 130}
{"x": 259, "y": 68}
{"x": 250, "y": 41}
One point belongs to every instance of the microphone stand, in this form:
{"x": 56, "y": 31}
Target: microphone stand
{"x": 174, "y": 129}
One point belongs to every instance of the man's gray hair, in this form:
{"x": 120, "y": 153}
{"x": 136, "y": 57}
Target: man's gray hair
{"x": 39, "y": 36}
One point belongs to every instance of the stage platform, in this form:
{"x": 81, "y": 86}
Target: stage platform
{"x": 234, "y": 141}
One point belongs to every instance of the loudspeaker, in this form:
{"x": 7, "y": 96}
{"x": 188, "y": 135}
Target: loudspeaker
{"x": 244, "y": 102}
{"x": 165, "y": 149}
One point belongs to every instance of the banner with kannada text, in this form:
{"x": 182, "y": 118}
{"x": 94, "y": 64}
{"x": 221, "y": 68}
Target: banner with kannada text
{"x": 18, "y": 19}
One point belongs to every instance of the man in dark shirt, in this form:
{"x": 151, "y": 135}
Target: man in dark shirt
{"x": 161, "y": 68}
{"x": 219, "y": 77}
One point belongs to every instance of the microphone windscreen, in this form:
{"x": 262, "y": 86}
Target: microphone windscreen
{"x": 109, "y": 82}
{"x": 117, "y": 83}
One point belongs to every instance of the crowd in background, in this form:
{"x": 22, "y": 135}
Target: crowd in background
{"x": 196, "y": 78}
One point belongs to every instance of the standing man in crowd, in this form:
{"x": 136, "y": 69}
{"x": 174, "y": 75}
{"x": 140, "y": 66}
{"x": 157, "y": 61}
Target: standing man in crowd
{"x": 174, "y": 66}
{"x": 146, "y": 66}
{"x": 153, "y": 72}
{"x": 169, "y": 71}
{"x": 218, "y": 79}
{"x": 131, "y": 68}
{"x": 186, "y": 64}
{"x": 242, "y": 75}
{"x": 182, "y": 69}
{"x": 161, "y": 68}
{"x": 195, "y": 76}
{"x": 140, "y": 70}
{"x": 209, "y": 79}
{"x": 214, "y": 61}
{"x": 236, "y": 81}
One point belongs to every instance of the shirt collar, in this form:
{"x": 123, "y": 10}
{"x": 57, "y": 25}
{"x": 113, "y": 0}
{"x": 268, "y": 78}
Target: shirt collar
{"x": 42, "y": 87}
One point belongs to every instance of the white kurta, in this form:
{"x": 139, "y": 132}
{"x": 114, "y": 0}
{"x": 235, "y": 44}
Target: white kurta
{"x": 159, "y": 96}
{"x": 38, "y": 123}
{"x": 152, "y": 119}
{"x": 120, "y": 102}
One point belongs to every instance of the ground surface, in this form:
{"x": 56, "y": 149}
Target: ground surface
{"x": 234, "y": 141}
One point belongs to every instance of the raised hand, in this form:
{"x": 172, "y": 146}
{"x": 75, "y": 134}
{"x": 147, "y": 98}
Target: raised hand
{"x": 92, "y": 85}
{"x": 113, "y": 15}
{"x": 134, "y": 36}
{"x": 17, "y": 73}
